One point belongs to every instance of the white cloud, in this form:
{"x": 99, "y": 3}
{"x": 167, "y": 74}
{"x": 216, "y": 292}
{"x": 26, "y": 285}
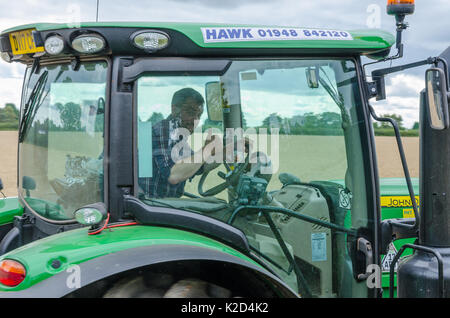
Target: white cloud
{"x": 10, "y": 90}
{"x": 401, "y": 82}
{"x": 402, "y": 97}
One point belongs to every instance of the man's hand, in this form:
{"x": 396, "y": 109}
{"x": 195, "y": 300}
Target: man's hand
{"x": 215, "y": 151}
{"x": 182, "y": 171}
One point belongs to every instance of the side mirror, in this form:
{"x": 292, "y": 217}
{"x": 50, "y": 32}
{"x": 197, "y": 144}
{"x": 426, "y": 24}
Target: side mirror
{"x": 437, "y": 100}
{"x": 3, "y": 195}
{"x": 100, "y": 106}
{"x": 214, "y": 101}
{"x": 312, "y": 77}
{"x": 28, "y": 184}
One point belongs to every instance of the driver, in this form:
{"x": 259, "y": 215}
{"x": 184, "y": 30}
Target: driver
{"x": 169, "y": 175}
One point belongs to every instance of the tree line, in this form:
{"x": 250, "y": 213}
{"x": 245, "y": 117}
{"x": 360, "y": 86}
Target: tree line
{"x": 326, "y": 123}
{"x": 9, "y": 117}
{"x": 385, "y": 129}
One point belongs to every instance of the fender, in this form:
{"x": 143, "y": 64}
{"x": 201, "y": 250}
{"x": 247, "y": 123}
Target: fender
{"x": 61, "y": 284}
{"x": 9, "y": 208}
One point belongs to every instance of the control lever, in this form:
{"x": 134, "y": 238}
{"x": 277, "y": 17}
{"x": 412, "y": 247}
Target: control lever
{"x": 222, "y": 174}
{"x": 365, "y": 247}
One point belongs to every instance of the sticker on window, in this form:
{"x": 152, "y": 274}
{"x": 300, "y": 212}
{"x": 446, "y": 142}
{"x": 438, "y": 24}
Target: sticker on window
{"x": 319, "y": 247}
{"x": 238, "y": 34}
{"x": 388, "y": 258}
{"x": 345, "y": 199}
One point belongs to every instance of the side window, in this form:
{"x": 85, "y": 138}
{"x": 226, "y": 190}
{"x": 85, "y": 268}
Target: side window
{"x": 309, "y": 141}
{"x": 62, "y": 138}
{"x": 157, "y": 121}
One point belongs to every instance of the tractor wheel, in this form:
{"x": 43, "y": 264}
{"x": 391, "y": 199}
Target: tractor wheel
{"x": 195, "y": 288}
{"x": 158, "y": 287}
{"x": 134, "y": 288}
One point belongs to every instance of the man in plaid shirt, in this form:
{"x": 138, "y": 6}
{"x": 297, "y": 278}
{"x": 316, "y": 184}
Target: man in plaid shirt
{"x": 169, "y": 172}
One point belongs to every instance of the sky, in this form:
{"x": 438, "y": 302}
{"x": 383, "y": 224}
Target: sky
{"x": 426, "y": 36}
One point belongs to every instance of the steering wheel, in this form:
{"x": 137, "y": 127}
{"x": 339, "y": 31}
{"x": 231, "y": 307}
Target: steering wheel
{"x": 231, "y": 178}
{"x": 260, "y": 167}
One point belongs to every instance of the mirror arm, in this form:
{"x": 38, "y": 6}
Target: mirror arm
{"x": 384, "y": 71}
{"x": 378, "y": 75}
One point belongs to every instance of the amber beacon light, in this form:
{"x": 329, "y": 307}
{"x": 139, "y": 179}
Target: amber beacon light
{"x": 400, "y": 7}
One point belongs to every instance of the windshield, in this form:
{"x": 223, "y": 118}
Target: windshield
{"x": 272, "y": 147}
{"x": 61, "y": 138}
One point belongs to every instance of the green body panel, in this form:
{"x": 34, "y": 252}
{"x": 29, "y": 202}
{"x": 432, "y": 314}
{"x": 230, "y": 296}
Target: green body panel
{"x": 364, "y": 41}
{"x": 9, "y": 208}
{"x": 395, "y": 187}
{"x": 391, "y": 187}
{"x": 76, "y": 246}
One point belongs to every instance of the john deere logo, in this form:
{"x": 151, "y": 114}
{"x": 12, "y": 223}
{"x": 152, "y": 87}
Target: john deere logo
{"x": 397, "y": 201}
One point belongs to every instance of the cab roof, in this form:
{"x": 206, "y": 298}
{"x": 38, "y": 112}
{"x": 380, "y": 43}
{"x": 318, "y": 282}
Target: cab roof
{"x": 372, "y": 42}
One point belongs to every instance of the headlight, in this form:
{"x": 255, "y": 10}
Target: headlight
{"x": 91, "y": 214}
{"x": 54, "y": 45}
{"x": 6, "y": 57}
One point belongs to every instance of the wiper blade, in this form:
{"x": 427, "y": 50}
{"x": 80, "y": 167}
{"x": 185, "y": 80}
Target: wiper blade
{"x": 35, "y": 96}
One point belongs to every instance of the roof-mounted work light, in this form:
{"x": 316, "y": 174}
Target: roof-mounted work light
{"x": 89, "y": 43}
{"x": 150, "y": 41}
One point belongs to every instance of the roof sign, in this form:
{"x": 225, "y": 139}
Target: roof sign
{"x": 237, "y": 34}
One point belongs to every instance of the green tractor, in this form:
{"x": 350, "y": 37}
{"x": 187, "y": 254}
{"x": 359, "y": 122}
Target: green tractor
{"x": 200, "y": 160}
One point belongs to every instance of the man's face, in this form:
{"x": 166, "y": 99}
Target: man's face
{"x": 189, "y": 113}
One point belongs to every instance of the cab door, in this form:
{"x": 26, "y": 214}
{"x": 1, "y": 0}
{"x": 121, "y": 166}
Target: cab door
{"x": 314, "y": 221}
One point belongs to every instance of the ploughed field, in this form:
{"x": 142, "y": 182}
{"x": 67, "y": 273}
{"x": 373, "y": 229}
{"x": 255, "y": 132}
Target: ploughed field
{"x": 297, "y": 155}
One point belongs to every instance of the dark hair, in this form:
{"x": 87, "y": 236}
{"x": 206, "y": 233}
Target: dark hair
{"x": 183, "y": 94}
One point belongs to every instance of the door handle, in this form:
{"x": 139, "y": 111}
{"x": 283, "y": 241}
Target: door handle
{"x": 365, "y": 247}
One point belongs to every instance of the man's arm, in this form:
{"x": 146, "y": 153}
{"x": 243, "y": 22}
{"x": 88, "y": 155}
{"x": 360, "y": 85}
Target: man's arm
{"x": 182, "y": 170}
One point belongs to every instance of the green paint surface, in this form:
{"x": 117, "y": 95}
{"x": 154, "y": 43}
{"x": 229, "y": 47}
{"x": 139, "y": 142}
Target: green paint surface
{"x": 395, "y": 187}
{"x": 364, "y": 41}
{"x": 9, "y": 208}
{"x": 76, "y": 246}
